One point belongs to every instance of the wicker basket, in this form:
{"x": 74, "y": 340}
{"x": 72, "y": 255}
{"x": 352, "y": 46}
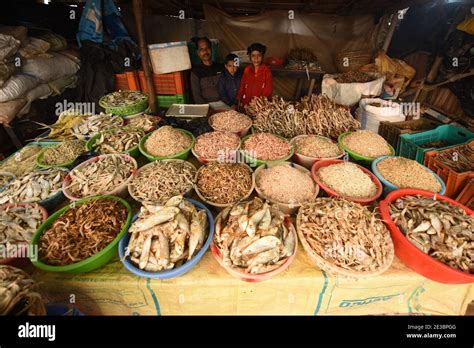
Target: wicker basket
{"x": 356, "y": 60}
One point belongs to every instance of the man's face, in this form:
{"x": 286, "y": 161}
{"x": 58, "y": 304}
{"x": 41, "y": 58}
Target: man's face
{"x": 204, "y": 51}
{"x": 256, "y": 58}
{"x": 231, "y": 67}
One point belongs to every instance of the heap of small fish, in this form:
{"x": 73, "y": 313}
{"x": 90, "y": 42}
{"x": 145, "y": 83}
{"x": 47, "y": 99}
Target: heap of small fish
{"x": 147, "y": 123}
{"x": 65, "y": 152}
{"x": 101, "y": 176}
{"x": 166, "y": 236}
{"x": 254, "y": 237}
{"x": 94, "y": 124}
{"x": 118, "y": 140}
{"x": 18, "y": 225}
{"x": 62, "y": 128}
{"x": 22, "y": 162}
{"x": 439, "y": 229}
{"x": 18, "y": 293}
{"x": 34, "y": 187}
{"x": 122, "y": 98}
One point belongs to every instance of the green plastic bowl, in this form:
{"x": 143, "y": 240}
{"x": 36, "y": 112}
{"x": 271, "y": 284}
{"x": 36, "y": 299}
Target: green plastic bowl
{"x": 40, "y": 155}
{"x": 355, "y": 155}
{"x": 90, "y": 145}
{"x": 93, "y": 262}
{"x": 180, "y": 155}
{"x": 251, "y": 160}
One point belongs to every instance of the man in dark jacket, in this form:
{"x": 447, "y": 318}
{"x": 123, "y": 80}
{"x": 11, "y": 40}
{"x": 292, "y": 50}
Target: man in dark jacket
{"x": 205, "y": 76}
{"x": 229, "y": 82}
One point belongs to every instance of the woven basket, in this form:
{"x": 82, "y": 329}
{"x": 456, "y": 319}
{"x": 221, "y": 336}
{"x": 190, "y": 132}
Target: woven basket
{"x": 356, "y": 60}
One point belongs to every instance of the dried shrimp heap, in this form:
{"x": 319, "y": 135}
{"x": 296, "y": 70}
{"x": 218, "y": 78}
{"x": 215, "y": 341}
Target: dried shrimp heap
{"x": 19, "y": 294}
{"x": 82, "y": 232}
{"x": 347, "y": 179}
{"x": 367, "y": 143}
{"x": 118, "y": 140}
{"x": 167, "y": 141}
{"x": 22, "y": 162}
{"x": 92, "y": 125}
{"x": 165, "y": 237}
{"x": 316, "y": 146}
{"x": 100, "y": 177}
{"x": 34, "y": 187}
{"x": 66, "y": 151}
{"x": 461, "y": 160}
{"x": 224, "y": 183}
{"x": 344, "y": 236}
{"x": 406, "y": 173}
{"x": 254, "y": 237}
{"x": 439, "y": 229}
{"x": 216, "y": 145}
{"x": 285, "y": 184}
{"x": 311, "y": 115}
{"x": 230, "y": 121}
{"x": 354, "y": 77}
{"x": 266, "y": 147}
{"x": 159, "y": 181}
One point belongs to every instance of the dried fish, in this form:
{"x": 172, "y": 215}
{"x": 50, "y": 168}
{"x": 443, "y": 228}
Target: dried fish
{"x": 216, "y": 145}
{"x": 146, "y": 123}
{"x": 266, "y": 147}
{"x": 367, "y": 143}
{"x": 66, "y": 151}
{"x": 118, "y": 140}
{"x": 167, "y": 141}
{"x": 92, "y": 125}
{"x": 230, "y": 121}
{"x": 354, "y": 77}
{"x": 122, "y": 98}
{"x": 22, "y": 162}
{"x": 316, "y": 146}
{"x": 5, "y": 178}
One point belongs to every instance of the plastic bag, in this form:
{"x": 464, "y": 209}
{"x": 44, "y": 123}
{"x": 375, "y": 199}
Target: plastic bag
{"x": 8, "y": 46}
{"x": 19, "y": 32}
{"x": 7, "y": 69}
{"x": 372, "y": 111}
{"x": 16, "y": 87}
{"x": 50, "y": 69}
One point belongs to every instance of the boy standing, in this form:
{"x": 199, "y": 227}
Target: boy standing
{"x": 229, "y": 82}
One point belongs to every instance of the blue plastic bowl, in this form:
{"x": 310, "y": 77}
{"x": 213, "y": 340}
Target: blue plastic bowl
{"x": 389, "y": 187}
{"x": 175, "y": 272}
{"x": 59, "y": 309}
{"x": 51, "y": 203}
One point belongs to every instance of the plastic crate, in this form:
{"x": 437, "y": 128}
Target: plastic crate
{"x": 391, "y": 131}
{"x": 127, "y": 81}
{"x": 409, "y": 145}
{"x": 466, "y": 197}
{"x": 172, "y": 83}
{"x": 165, "y": 101}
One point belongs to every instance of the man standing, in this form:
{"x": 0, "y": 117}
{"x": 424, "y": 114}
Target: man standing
{"x": 205, "y": 76}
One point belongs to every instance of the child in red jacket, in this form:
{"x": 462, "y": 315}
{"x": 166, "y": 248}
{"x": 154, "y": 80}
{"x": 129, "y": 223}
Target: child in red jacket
{"x": 257, "y": 78}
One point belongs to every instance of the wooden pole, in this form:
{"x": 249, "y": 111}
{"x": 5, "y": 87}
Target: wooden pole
{"x": 391, "y": 31}
{"x": 138, "y": 11}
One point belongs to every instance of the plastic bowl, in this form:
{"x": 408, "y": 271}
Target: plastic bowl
{"x": 389, "y": 187}
{"x": 118, "y": 191}
{"x": 175, "y": 272}
{"x": 19, "y": 259}
{"x": 40, "y": 155}
{"x": 410, "y": 255}
{"x": 355, "y": 155}
{"x": 187, "y": 193}
{"x": 204, "y": 160}
{"x": 180, "y": 155}
{"x": 254, "y": 278}
{"x": 286, "y": 208}
{"x": 255, "y": 162}
{"x": 90, "y": 145}
{"x": 308, "y": 161}
{"x": 93, "y": 262}
{"x": 12, "y": 177}
{"x": 220, "y": 205}
{"x": 63, "y": 310}
{"x": 241, "y": 133}
{"x": 331, "y": 193}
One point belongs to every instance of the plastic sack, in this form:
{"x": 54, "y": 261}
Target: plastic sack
{"x": 34, "y": 48}
{"x": 56, "y": 41}
{"x": 19, "y": 32}
{"x": 10, "y": 109}
{"x": 50, "y": 69}
{"x": 467, "y": 25}
{"x": 16, "y": 87}
{"x": 349, "y": 94}
{"x": 8, "y": 46}
{"x": 58, "y": 86}
{"x": 39, "y": 92}
{"x": 7, "y": 69}
{"x": 372, "y": 111}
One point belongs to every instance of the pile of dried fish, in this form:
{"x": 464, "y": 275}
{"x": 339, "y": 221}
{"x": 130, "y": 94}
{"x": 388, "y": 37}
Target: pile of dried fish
{"x": 66, "y": 151}
{"x": 100, "y": 176}
{"x": 146, "y": 123}
{"x": 118, "y": 140}
{"x": 439, "y": 229}
{"x": 82, "y": 232}
{"x": 159, "y": 181}
{"x": 92, "y": 125}
{"x": 367, "y": 143}
{"x": 311, "y": 115}
{"x": 19, "y": 294}
{"x": 340, "y": 235}
{"x": 22, "y": 162}
{"x": 5, "y": 178}
{"x": 254, "y": 237}
{"x": 34, "y": 187}
{"x": 460, "y": 160}
{"x": 216, "y": 145}
{"x": 122, "y": 98}
{"x": 354, "y": 77}
{"x": 407, "y": 173}
{"x": 18, "y": 225}
{"x": 62, "y": 128}
{"x": 316, "y": 146}
{"x": 167, "y": 141}
{"x": 224, "y": 183}
{"x": 302, "y": 58}
{"x": 165, "y": 237}
{"x": 230, "y": 121}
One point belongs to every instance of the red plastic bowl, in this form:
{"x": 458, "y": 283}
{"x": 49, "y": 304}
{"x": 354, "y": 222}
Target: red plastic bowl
{"x": 325, "y": 163}
{"x": 410, "y": 255}
{"x": 21, "y": 262}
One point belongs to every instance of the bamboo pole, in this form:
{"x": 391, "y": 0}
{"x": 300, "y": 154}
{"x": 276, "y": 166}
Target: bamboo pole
{"x": 138, "y": 12}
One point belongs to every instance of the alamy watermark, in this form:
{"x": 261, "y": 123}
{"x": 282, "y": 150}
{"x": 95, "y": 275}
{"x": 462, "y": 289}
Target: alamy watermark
{"x": 19, "y": 251}
{"x": 70, "y": 108}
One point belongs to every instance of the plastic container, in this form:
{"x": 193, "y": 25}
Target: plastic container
{"x": 308, "y": 161}
{"x": 131, "y": 109}
{"x": 93, "y": 262}
{"x": 409, "y": 145}
{"x": 410, "y": 255}
{"x": 180, "y": 155}
{"x": 229, "y": 154}
{"x": 389, "y": 187}
{"x": 121, "y": 190}
{"x": 127, "y": 81}
{"x": 287, "y": 208}
{"x": 7, "y": 174}
{"x": 466, "y": 197}
{"x": 172, "y": 83}
{"x": 354, "y": 155}
{"x": 90, "y": 146}
{"x": 169, "y": 57}
{"x": 20, "y": 261}
{"x": 331, "y": 193}
{"x": 165, "y": 101}
{"x": 254, "y": 162}
{"x": 175, "y": 272}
